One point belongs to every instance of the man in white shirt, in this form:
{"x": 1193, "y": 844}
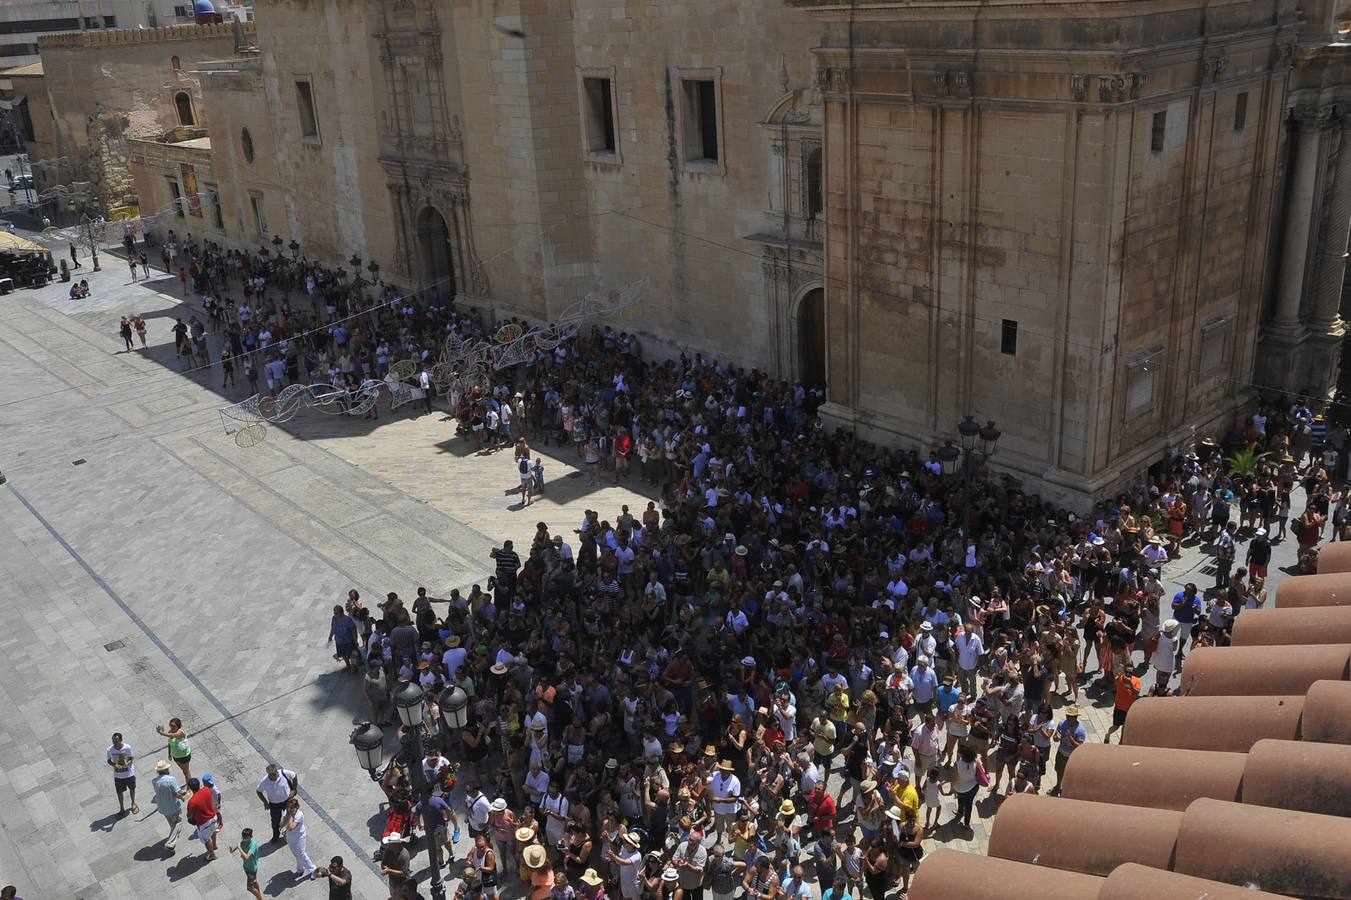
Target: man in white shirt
{"x": 970, "y": 649}
{"x": 536, "y": 783}
{"x": 479, "y": 810}
{"x": 725, "y": 791}
{"x": 786, "y": 713}
{"x": 275, "y": 790}
{"x": 122, "y": 760}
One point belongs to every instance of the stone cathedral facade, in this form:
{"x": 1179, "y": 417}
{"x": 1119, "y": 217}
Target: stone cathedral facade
{"x": 1100, "y": 224}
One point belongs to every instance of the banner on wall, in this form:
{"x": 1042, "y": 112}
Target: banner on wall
{"x": 190, "y": 189}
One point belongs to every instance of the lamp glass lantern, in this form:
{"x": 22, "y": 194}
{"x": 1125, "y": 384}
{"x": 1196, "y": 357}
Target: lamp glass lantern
{"x": 454, "y": 703}
{"x": 989, "y": 436}
{"x": 948, "y": 455}
{"x": 295, "y": 248}
{"x": 408, "y": 700}
{"x": 355, "y": 262}
{"x": 369, "y": 742}
{"x": 968, "y": 429}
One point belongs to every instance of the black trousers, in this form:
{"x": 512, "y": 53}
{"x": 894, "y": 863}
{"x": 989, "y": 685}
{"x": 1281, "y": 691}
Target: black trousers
{"x": 275, "y": 810}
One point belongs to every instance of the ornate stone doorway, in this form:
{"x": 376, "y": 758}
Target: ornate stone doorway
{"x": 438, "y": 267}
{"x": 811, "y": 338}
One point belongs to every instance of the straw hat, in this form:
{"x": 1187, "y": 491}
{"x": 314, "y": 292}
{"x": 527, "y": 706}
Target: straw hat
{"x": 1171, "y": 627}
{"x": 393, "y": 838}
{"x": 524, "y": 835}
{"x": 710, "y": 750}
{"x": 670, "y": 875}
{"x": 1072, "y": 711}
{"x": 725, "y": 765}
{"x": 894, "y": 812}
{"x": 632, "y": 839}
{"x": 453, "y": 641}
{"x": 868, "y": 785}
{"x": 786, "y": 808}
{"x": 500, "y": 804}
{"x": 498, "y": 669}
{"x": 589, "y": 877}
{"x": 161, "y": 767}
{"x": 534, "y": 857}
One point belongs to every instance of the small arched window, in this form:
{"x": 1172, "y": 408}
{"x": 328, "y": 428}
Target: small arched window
{"x": 183, "y": 103}
{"x": 246, "y": 144}
{"x": 815, "y": 200}
{"x": 174, "y": 61}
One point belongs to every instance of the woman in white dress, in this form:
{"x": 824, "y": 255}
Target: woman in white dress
{"x": 294, "y": 823}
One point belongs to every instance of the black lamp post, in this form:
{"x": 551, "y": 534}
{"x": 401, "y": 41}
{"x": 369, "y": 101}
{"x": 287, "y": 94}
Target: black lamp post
{"x": 368, "y": 740}
{"x": 276, "y": 244}
{"x": 971, "y": 456}
{"x": 295, "y": 248}
{"x": 374, "y": 268}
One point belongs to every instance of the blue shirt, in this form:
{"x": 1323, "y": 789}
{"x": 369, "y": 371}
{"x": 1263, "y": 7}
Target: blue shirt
{"x": 926, "y": 683}
{"x": 1064, "y": 730}
{"x": 1183, "y": 611}
{"x": 947, "y": 695}
{"x": 251, "y": 848}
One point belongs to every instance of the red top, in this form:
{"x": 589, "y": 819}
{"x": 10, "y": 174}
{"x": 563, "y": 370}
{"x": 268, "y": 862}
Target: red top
{"x": 201, "y": 806}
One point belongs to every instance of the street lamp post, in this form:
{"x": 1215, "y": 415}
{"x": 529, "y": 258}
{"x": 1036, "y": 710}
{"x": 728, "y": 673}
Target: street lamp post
{"x": 295, "y": 249}
{"x": 368, "y": 741}
{"x": 977, "y": 446}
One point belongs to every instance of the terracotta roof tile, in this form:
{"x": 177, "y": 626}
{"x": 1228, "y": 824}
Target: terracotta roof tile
{"x": 1314, "y": 590}
{"x": 1260, "y": 671}
{"x": 1334, "y": 558}
{"x": 1081, "y": 836}
{"x": 954, "y": 875}
{"x": 1307, "y": 625}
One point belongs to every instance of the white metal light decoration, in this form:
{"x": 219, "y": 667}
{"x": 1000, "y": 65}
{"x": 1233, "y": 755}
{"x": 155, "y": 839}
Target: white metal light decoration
{"x": 465, "y": 365}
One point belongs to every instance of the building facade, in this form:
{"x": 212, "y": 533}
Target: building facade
{"x": 1098, "y": 224}
{"x": 98, "y": 89}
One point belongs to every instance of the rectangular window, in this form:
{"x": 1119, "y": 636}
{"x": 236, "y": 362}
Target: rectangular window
{"x": 1240, "y": 111}
{"x": 110, "y": 21}
{"x": 1214, "y": 347}
{"x": 1008, "y": 338}
{"x": 1156, "y": 132}
{"x": 176, "y": 193}
{"x": 309, "y": 122}
{"x": 1141, "y": 377}
{"x": 91, "y": 22}
{"x": 259, "y": 215}
{"x": 214, "y": 190}
{"x": 183, "y": 12}
{"x": 600, "y": 115}
{"x": 701, "y": 120}
{"x": 419, "y": 100}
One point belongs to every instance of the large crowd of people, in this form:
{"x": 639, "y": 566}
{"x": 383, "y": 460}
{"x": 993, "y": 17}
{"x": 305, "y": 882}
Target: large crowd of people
{"x": 805, "y": 657}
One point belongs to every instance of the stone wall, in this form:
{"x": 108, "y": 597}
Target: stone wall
{"x": 1090, "y": 183}
{"x": 106, "y": 87}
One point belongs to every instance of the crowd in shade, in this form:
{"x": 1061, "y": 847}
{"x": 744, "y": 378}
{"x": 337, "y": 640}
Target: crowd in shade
{"x": 804, "y": 659}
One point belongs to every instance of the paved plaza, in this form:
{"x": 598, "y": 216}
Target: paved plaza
{"x": 155, "y": 569}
